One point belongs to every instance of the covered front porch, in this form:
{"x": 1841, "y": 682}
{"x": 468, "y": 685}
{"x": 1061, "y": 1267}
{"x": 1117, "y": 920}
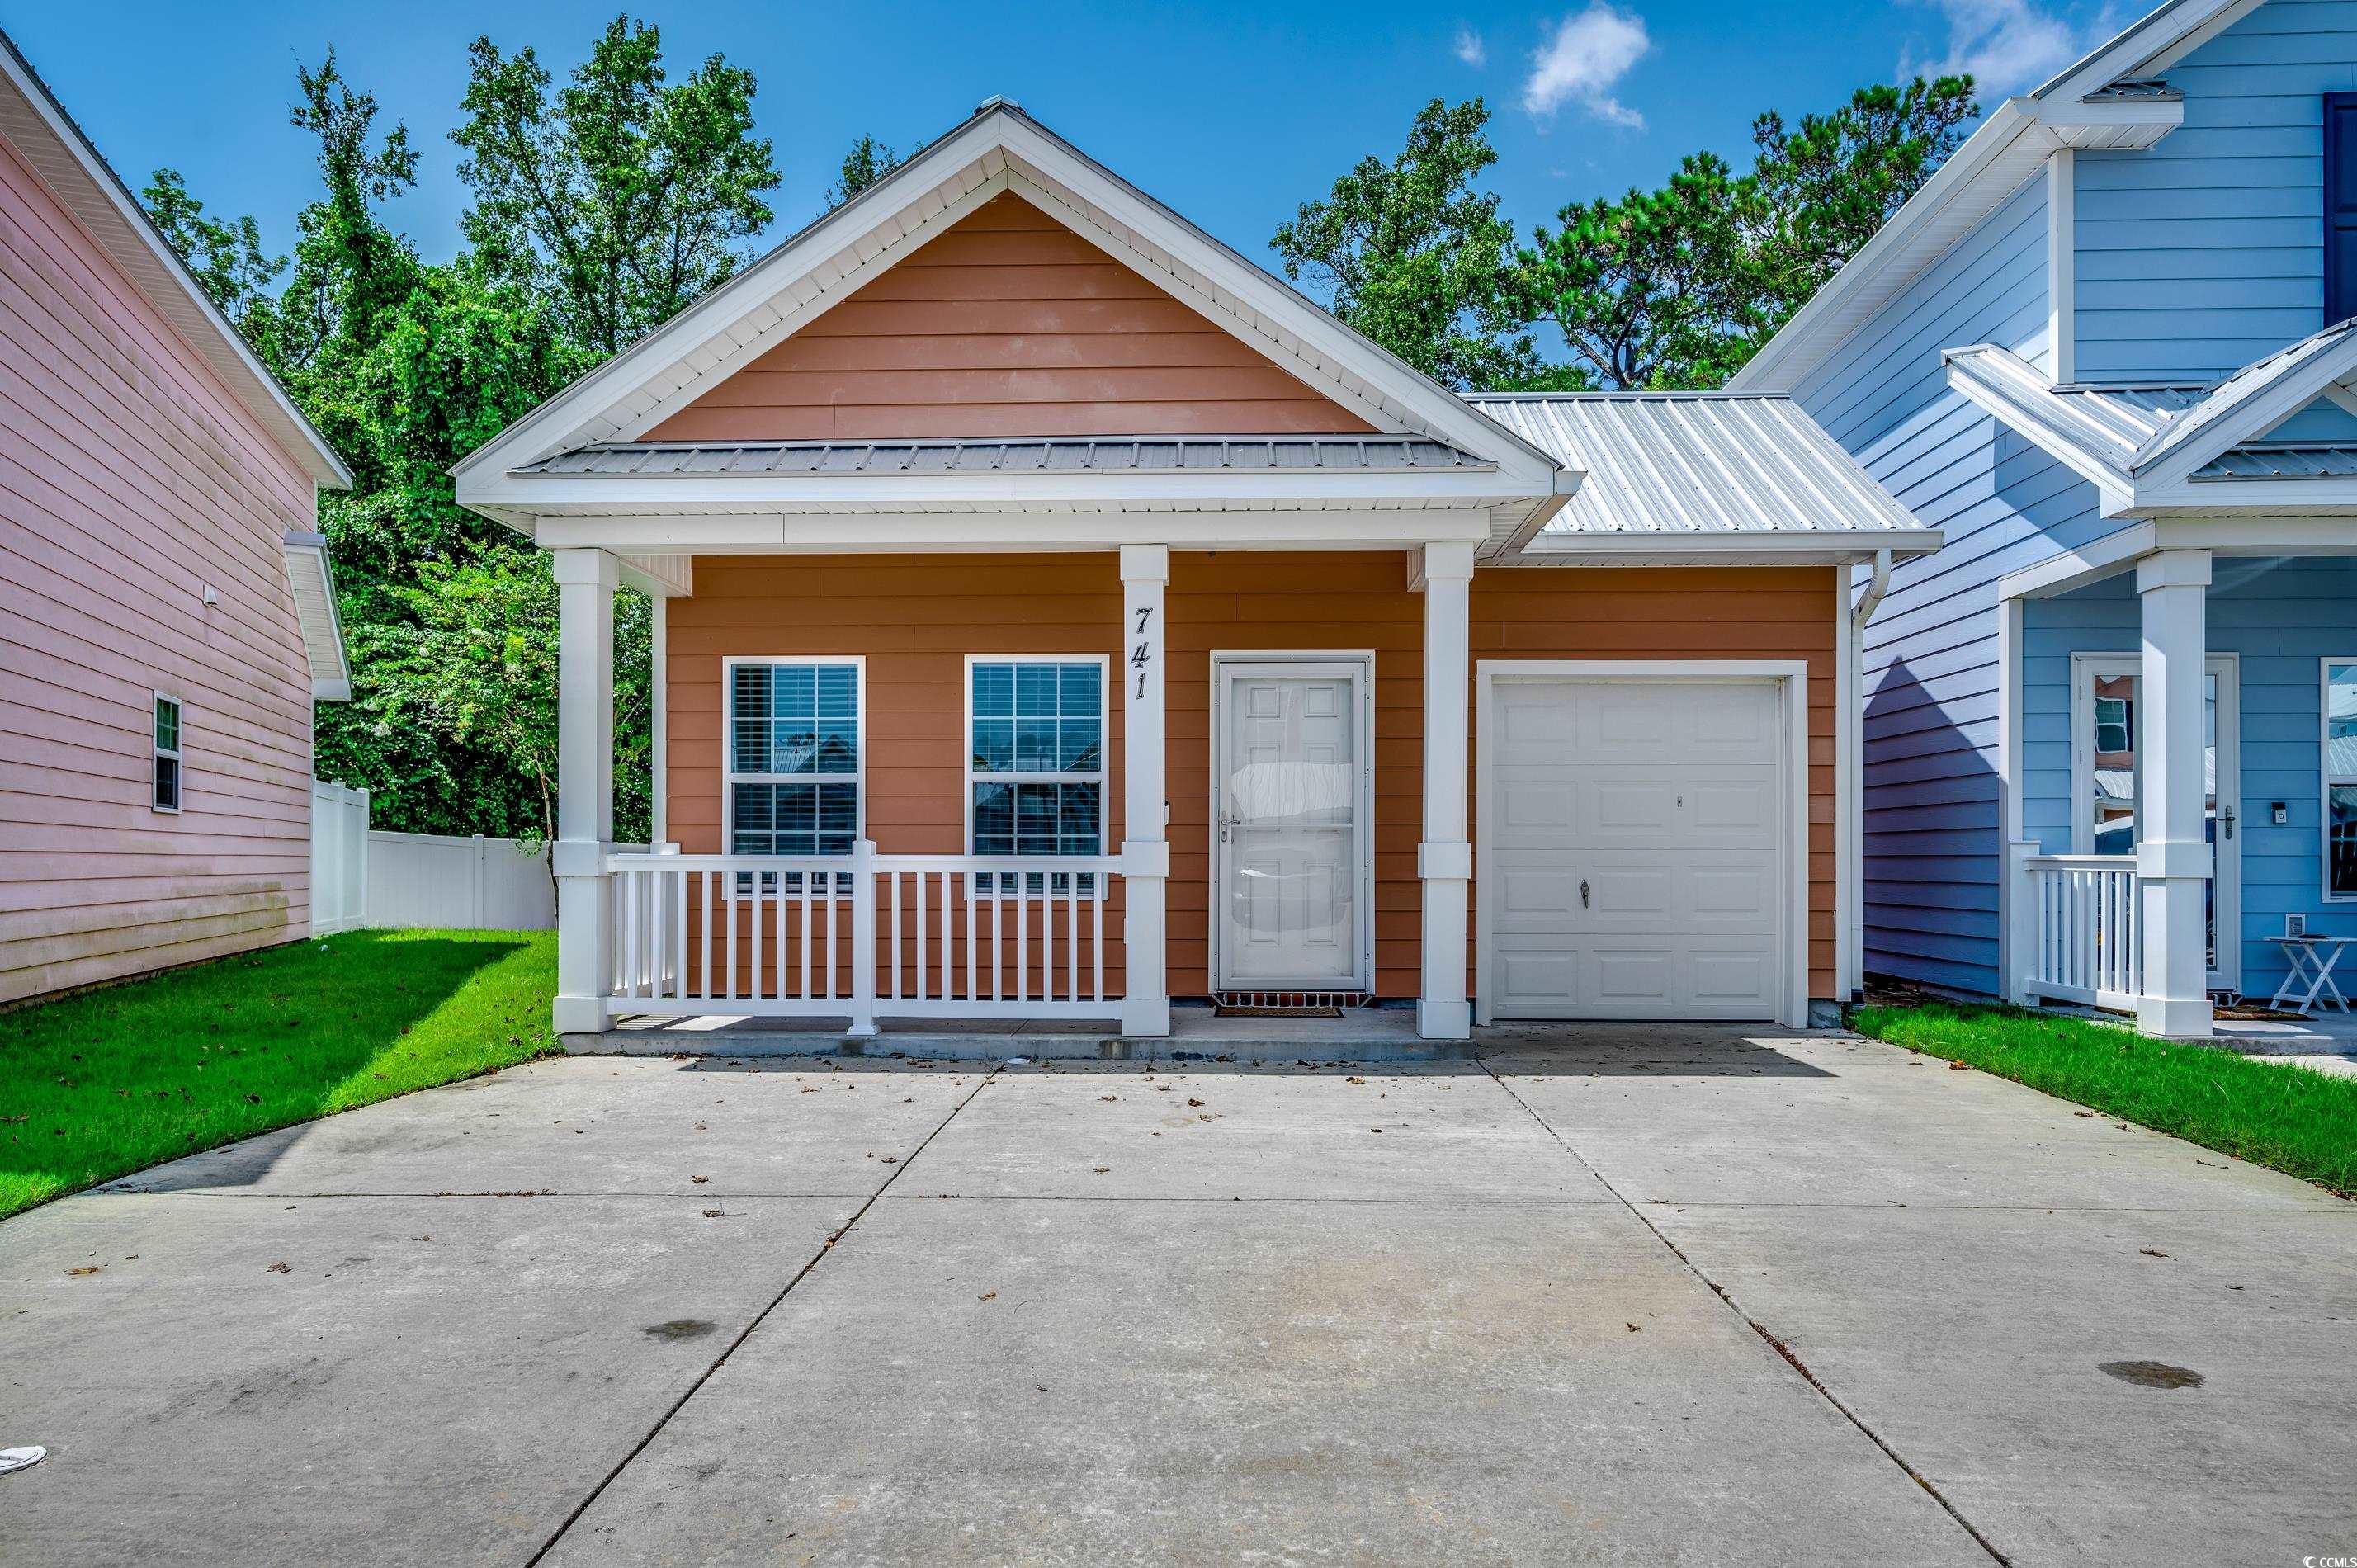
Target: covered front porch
{"x": 2181, "y": 774}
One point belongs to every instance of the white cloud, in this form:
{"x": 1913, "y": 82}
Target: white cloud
{"x": 2006, "y": 45}
{"x": 1469, "y": 49}
{"x": 1584, "y": 61}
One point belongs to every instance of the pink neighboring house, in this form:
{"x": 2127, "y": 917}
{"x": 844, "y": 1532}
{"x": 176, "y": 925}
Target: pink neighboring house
{"x": 166, "y": 616}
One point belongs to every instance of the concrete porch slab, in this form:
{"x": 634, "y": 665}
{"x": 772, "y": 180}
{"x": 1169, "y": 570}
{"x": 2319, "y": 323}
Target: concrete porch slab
{"x": 1364, "y": 1035}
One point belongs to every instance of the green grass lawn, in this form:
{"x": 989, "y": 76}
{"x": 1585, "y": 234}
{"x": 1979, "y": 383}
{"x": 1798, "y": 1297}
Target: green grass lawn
{"x": 99, "y": 1085}
{"x": 2298, "y": 1121}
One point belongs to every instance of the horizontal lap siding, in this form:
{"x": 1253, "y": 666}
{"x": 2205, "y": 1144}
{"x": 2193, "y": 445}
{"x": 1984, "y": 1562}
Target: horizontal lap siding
{"x": 1008, "y": 324}
{"x": 915, "y": 619}
{"x": 2205, "y": 252}
{"x": 1932, "y": 817}
{"x": 2283, "y": 618}
{"x": 129, "y": 479}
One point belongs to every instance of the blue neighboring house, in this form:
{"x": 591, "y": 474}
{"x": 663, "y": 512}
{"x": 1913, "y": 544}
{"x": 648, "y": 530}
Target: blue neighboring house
{"x": 2110, "y": 728}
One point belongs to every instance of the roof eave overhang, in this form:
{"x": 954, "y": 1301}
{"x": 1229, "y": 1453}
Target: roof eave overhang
{"x": 98, "y": 199}
{"x": 1798, "y": 547}
{"x": 2010, "y": 147}
{"x": 312, "y": 581}
{"x": 2006, "y": 387}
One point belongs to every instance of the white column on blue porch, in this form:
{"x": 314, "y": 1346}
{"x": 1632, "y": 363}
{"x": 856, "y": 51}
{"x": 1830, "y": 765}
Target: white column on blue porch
{"x": 1444, "y": 859}
{"x": 2173, "y": 858}
{"x": 585, "y": 785}
{"x": 1146, "y": 848}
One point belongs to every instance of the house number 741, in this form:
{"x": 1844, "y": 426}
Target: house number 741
{"x": 1144, "y": 655}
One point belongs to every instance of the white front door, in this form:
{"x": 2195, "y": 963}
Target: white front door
{"x": 2106, "y": 769}
{"x": 1635, "y": 846}
{"x": 1291, "y": 835}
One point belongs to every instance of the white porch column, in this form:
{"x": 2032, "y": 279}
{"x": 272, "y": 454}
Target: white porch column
{"x": 1146, "y": 847}
{"x": 2173, "y": 860}
{"x": 585, "y": 786}
{"x": 1444, "y": 860}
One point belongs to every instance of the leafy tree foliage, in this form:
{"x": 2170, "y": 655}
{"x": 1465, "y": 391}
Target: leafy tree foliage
{"x": 407, "y": 366}
{"x": 868, "y": 161}
{"x": 1678, "y": 286}
{"x": 1415, "y": 256}
{"x": 619, "y": 199}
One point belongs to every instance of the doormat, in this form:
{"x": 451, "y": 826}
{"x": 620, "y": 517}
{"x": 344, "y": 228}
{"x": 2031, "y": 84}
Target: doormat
{"x": 1223, "y": 1010}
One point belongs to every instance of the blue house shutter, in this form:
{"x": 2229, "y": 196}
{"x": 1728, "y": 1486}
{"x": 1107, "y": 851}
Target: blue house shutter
{"x": 2340, "y": 207}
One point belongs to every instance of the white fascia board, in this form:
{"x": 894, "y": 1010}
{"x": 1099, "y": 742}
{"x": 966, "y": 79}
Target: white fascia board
{"x": 1251, "y": 287}
{"x": 118, "y": 210}
{"x": 2306, "y": 501}
{"x": 995, "y": 151}
{"x": 2154, "y": 43}
{"x": 312, "y": 583}
{"x": 638, "y": 493}
{"x": 2192, "y": 440}
{"x": 1820, "y": 545}
{"x": 1996, "y": 160}
{"x": 2009, "y": 388}
{"x": 947, "y": 532}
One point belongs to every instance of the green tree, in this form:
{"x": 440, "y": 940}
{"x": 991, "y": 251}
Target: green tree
{"x": 1679, "y": 287}
{"x": 228, "y": 259}
{"x": 619, "y": 199}
{"x": 868, "y": 161}
{"x": 351, "y": 270}
{"x": 1411, "y": 254}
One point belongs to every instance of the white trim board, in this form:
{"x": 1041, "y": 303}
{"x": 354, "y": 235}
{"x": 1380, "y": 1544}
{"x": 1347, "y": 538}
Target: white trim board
{"x": 1791, "y": 674}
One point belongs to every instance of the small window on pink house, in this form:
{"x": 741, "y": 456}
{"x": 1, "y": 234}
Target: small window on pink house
{"x": 167, "y": 753}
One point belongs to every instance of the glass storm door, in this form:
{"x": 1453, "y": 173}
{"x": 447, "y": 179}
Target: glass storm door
{"x": 1290, "y": 834}
{"x": 2107, "y": 770}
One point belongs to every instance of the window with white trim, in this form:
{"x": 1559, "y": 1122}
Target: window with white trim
{"x": 167, "y": 797}
{"x": 796, "y": 756}
{"x": 2339, "y": 698}
{"x": 1036, "y": 756}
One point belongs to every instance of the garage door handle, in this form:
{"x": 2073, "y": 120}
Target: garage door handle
{"x": 1583, "y": 892}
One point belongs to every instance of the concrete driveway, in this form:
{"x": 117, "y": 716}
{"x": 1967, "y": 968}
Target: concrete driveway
{"x": 1611, "y": 1294}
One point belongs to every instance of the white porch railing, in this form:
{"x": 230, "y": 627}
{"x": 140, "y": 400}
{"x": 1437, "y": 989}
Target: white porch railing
{"x": 2076, "y": 930}
{"x": 904, "y": 936}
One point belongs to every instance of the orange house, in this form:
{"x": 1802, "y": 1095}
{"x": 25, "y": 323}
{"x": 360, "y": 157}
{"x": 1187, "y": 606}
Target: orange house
{"x": 1059, "y": 617}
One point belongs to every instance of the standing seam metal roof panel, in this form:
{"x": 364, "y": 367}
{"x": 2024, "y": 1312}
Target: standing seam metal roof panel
{"x": 1671, "y": 463}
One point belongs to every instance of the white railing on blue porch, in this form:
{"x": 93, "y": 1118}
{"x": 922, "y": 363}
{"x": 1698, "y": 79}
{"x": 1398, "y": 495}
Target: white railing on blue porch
{"x": 2076, "y": 929}
{"x": 861, "y": 936}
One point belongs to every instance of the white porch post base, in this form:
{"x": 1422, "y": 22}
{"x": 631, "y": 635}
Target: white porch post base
{"x": 1444, "y": 860}
{"x": 585, "y": 788}
{"x": 1145, "y": 849}
{"x": 2173, "y": 862}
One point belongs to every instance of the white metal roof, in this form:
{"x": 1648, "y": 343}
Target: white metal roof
{"x": 1666, "y": 465}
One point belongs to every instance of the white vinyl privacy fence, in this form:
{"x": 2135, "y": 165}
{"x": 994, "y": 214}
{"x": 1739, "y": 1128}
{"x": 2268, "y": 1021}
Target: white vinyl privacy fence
{"x": 441, "y": 882}
{"x": 339, "y": 857}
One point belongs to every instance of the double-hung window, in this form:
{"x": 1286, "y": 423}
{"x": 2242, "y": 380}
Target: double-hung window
{"x": 796, "y": 752}
{"x": 2339, "y": 697}
{"x": 168, "y": 753}
{"x": 1036, "y": 764}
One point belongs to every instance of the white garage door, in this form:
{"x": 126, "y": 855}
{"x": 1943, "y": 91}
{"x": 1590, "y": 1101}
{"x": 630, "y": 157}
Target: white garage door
{"x": 1634, "y": 846}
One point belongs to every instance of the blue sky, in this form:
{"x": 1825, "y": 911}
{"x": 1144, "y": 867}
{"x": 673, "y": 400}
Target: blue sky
{"x": 1232, "y": 112}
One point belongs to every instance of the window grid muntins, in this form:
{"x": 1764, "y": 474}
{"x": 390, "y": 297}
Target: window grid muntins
{"x": 1036, "y": 764}
{"x": 795, "y": 757}
{"x": 167, "y": 796}
{"x": 2339, "y": 766}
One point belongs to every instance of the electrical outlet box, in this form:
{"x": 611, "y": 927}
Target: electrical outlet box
{"x": 2279, "y": 814}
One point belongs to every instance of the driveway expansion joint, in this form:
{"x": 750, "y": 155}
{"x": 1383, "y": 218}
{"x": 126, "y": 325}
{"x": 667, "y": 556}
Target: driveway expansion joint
{"x": 1783, "y": 1351}
{"x": 721, "y": 1360}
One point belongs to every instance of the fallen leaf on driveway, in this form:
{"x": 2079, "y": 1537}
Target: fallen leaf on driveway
{"x": 1108, "y": 1097}
{"x": 699, "y": 1179}
{"x": 1101, "y": 1169}
{"x": 1354, "y": 1078}
{"x": 1194, "y": 1103}
{"x": 281, "y": 1268}
{"x": 1634, "y": 1329}
{"x": 2150, "y": 1252}
{"x": 1959, "y": 1066}
{"x": 712, "y": 1213}
{"x": 988, "y": 1296}
{"x": 85, "y": 1269}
